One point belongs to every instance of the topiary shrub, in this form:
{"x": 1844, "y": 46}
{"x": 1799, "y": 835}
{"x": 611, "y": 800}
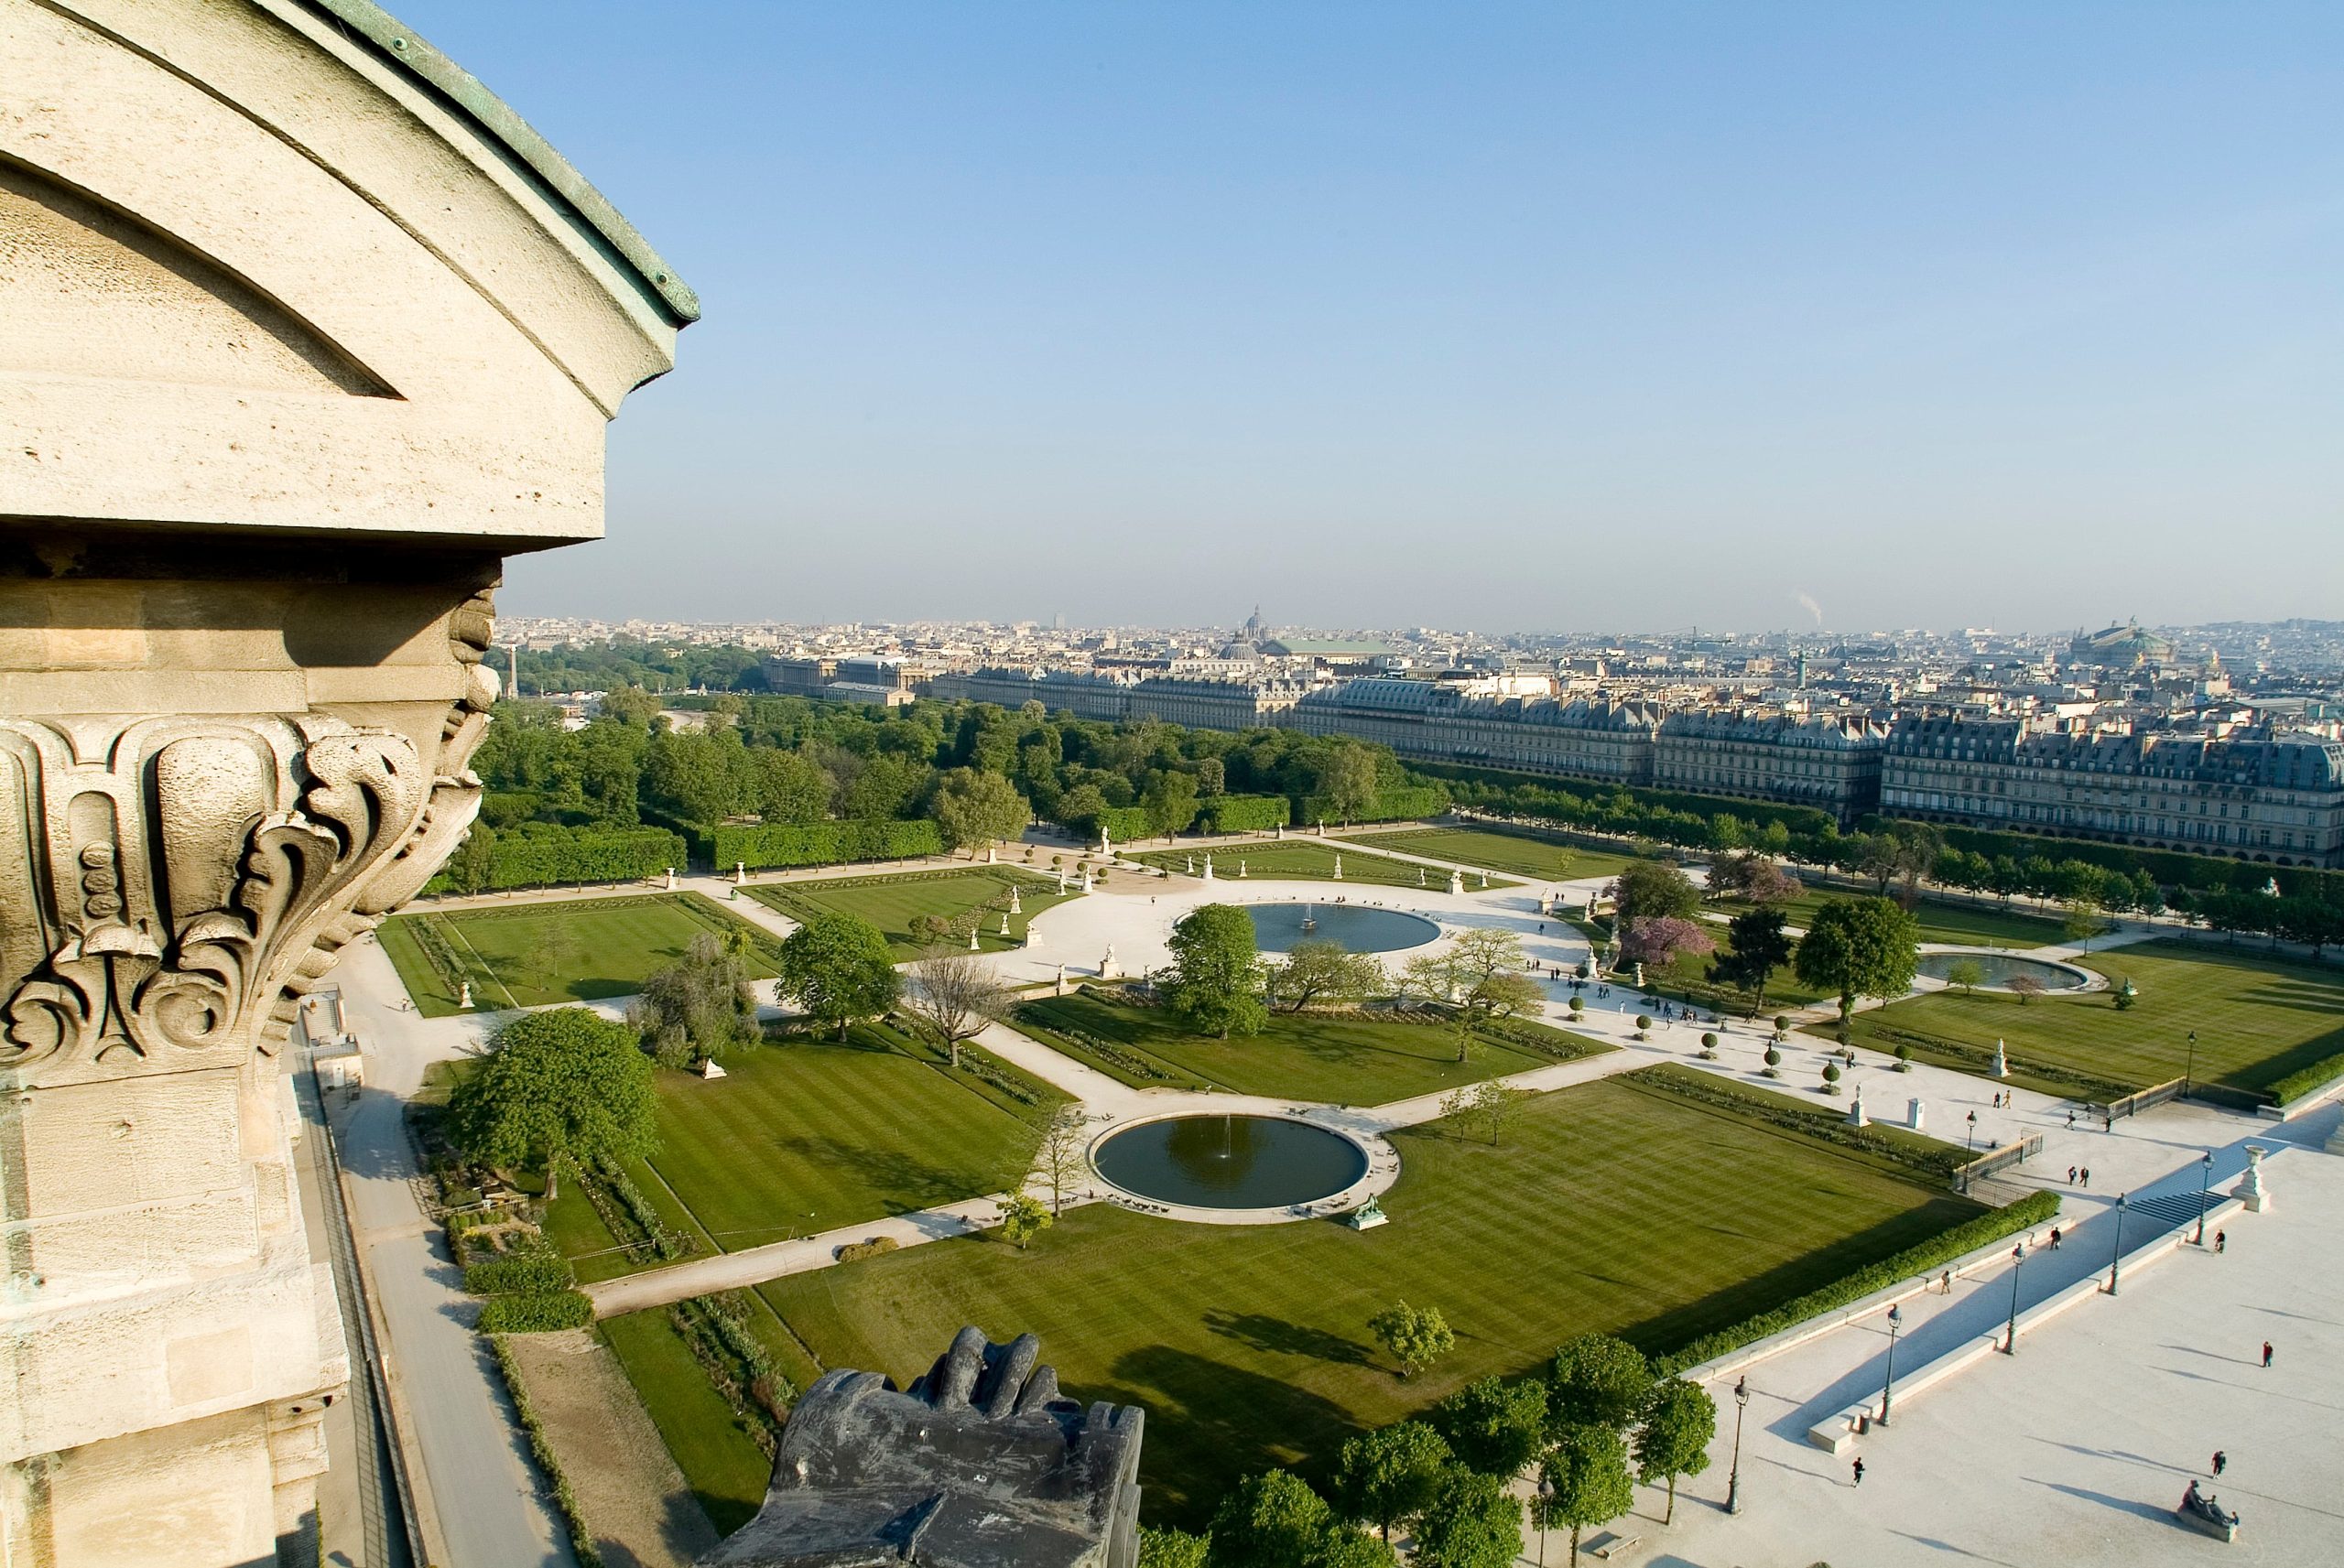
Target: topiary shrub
{"x": 1830, "y": 1077}
{"x": 1774, "y": 1060}
{"x": 1781, "y": 1023}
{"x": 1644, "y": 1024}
{"x": 1903, "y": 1058}
{"x": 1709, "y": 1046}
{"x": 856, "y": 1252}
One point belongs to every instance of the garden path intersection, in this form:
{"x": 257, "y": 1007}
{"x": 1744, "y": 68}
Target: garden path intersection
{"x": 1132, "y": 915}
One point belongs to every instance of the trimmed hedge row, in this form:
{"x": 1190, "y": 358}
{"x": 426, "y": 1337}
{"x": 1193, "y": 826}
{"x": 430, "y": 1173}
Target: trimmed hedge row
{"x": 2171, "y": 868}
{"x": 782, "y": 844}
{"x": 1391, "y": 805}
{"x": 1129, "y": 824}
{"x": 2035, "y": 1209}
{"x": 1244, "y": 813}
{"x": 539, "y": 1271}
{"x": 539, "y": 1312}
{"x": 541, "y": 854}
{"x": 2303, "y": 1080}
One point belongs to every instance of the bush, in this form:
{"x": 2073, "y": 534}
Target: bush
{"x": 2035, "y": 1209}
{"x": 2305, "y": 1079}
{"x": 782, "y": 844}
{"x": 541, "y": 1311}
{"x": 582, "y": 1538}
{"x": 1245, "y": 813}
{"x": 856, "y": 1252}
{"x": 538, "y": 1272}
{"x": 1644, "y": 1024}
{"x": 542, "y": 854}
{"x": 1390, "y": 806}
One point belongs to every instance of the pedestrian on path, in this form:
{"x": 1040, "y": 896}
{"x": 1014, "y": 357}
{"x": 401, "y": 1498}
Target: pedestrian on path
{"x": 2266, "y": 1353}
{"x": 2086, "y": 1175}
{"x": 2071, "y": 1176}
{"x": 1860, "y": 1473}
{"x": 2221, "y": 1240}
{"x": 2055, "y": 1239}
{"x": 1945, "y": 1282}
{"x": 2071, "y": 1122}
{"x": 2221, "y": 1461}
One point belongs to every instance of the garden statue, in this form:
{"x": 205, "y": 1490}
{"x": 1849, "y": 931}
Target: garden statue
{"x": 464, "y": 994}
{"x": 1015, "y": 906}
{"x": 2249, "y": 1190}
{"x": 1456, "y": 883}
{"x": 2001, "y": 1068}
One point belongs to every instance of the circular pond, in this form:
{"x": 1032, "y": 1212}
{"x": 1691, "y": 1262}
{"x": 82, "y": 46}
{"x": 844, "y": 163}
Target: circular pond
{"x": 1360, "y": 929}
{"x": 1230, "y": 1162}
{"x": 1997, "y": 970}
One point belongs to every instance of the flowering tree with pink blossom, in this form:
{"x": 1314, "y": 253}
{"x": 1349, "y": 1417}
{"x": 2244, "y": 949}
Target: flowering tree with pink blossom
{"x": 1657, "y": 940}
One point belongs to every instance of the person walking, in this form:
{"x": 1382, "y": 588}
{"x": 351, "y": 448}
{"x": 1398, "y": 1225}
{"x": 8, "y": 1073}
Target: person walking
{"x": 2086, "y": 1175}
{"x": 1945, "y": 1283}
{"x": 2071, "y": 1122}
{"x": 2221, "y": 1461}
{"x": 2055, "y": 1239}
{"x": 2071, "y": 1176}
{"x": 2266, "y": 1353}
{"x": 1860, "y": 1473}
{"x": 2221, "y": 1240}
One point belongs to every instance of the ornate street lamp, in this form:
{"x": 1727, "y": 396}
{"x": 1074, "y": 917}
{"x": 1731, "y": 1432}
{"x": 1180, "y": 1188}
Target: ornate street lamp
{"x": 2189, "y": 1072}
{"x": 1888, "y": 1388}
{"x": 2018, "y": 1262}
{"x": 1546, "y": 1506}
{"x": 1972, "y": 1144}
{"x": 1733, "y": 1477}
{"x": 2117, "y": 1257}
{"x": 2205, "y": 1177}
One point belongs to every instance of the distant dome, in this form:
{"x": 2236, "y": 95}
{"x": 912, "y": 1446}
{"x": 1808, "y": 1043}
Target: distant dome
{"x": 2121, "y": 646}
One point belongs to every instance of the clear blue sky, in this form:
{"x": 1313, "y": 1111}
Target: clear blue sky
{"x": 1543, "y": 316}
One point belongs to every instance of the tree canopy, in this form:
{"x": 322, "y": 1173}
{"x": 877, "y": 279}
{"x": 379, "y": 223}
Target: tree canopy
{"x": 702, "y": 1005}
{"x": 1680, "y": 1418}
{"x": 566, "y": 1084}
{"x": 1389, "y": 1476}
{"x": 838, "y": 969}
{"x": 1494, "y": 1426}
{"x": 1217, "y": 981}
{"x": 1859, "y": 947}
{"x": 1316, "y": 969}
{"x": 1597, "y": 1380}
{"x": 974, "y": 810}
{"x": 1650, "y": 890}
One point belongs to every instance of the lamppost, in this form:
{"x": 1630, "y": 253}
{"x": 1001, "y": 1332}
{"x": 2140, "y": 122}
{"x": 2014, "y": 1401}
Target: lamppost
{"x": 1545, "y": 1506}
{"x": 1888, "y": 1388}
{"x": 2018, "y": 1262}
{"x": 1972, "y": 1144}
{"x": 2205, "y": 1177}
{"x": 1733, "y": 1476}
{"x": 2189, "y": 1072}
{"x": 2117, "y": 1257}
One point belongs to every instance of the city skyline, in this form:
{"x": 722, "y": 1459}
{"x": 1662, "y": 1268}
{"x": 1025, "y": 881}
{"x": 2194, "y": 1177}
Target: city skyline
{"x": 1931, "y": 321}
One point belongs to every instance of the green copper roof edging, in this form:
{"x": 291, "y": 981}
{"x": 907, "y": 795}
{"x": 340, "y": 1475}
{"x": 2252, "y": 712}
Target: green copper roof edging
{"x": 451, "y": 82}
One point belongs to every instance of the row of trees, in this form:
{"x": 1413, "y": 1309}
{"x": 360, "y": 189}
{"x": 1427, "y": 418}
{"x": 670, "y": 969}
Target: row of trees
{"x": 1219, "y": 984}
{"x": 1594, "y": 1423}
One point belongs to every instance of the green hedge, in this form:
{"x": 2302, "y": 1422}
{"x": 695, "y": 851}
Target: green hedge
{"x": 2306, "y": 1079}
{"x": 539, "y": 1311}
{"x": 1245, "y": 813}
{"x": 781, "y": 844}
{"x": 2172, "y": 868}
{"x": 543, "y": 854}
{"x": 535, "y": 1272}
{"x": 1392, "y": 806}
{"x": 565, "y": 1495}
{"x": 2035, "y": 1209}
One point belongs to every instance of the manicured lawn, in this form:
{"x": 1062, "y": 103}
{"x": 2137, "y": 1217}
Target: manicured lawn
{"x": 1939, "y": 922}
{"x": 1304, "y": 858}
{"x": 533, "y": 954}
{"x": 2257, "y": 1018}
{"x": 891, "y": 904}
{"x": 1609, "y": 1207}
{"x": 1688, "y": 977}
{"x": 721, "y": 1462}
{"x": 808, "y": 1136}
{"x": 1348, "y": 1060}
{"x": 1542, "y": 859}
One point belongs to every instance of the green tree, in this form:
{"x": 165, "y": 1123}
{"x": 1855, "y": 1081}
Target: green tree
{"x": 468, "y": 870}
{"x": 1269, "y": 1521}
{"x": 1478, "y": 978}
{"x": 975, "y": 810}
{"x": 954, "y": 996}
{"x": 790, "y": 785}
{"x": 1649, "y": 890}
{"x": 1415, "y": 1337}
{"x": 839, "y": 969}
{"x": 562, "y": 1085}
{"x": 1859, "y": 947}
{"x": 1170, "y": 802}
{"x": 630, "y": 704}
{"x": 1217, "y": 972}
{"x": 1316, "y": 971}
{"x": 1588, "y": 1471}
{"x": 1757, "y": 946}
{"x": 2084, "y": 921}
{"x": 1172, "y": 1548}
{"x": 1680, "y": 1419}
{"x": 1968, "y": 974}
{"x": 1213, "y": 777}
{"x": 703, "y": 1002}
{"x": 1597, "y": 1380}
{"x": 1472, "y": 1521}
{"x": 1349, "y": 781}
{"x": 1022, "y": 1218}
{"x": 1388, "y": 1476}
{"x": 1494, "y": 1426}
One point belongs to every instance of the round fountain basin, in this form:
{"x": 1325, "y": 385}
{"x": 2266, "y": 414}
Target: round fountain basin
{"x": 1230, "y": 1162}
{"x": 1998, "y": 969}
{"x": 1360, "y": 929}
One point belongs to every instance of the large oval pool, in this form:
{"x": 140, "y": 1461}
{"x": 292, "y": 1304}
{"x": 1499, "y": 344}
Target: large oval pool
{"x": 1230, "y": 1162}
{"x": 1997, "y": 970}
{"x": 1360, "y": 929}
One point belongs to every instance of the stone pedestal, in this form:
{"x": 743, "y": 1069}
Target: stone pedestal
{"x": 2002, "y": 1068}
{"x": 2251, "y": 1190}
{"x": 1915, "y": 1114}
{"x": 301, "y": 333}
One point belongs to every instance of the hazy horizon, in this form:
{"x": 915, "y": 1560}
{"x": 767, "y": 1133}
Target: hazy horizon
{"x": 1489, "y": 318}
